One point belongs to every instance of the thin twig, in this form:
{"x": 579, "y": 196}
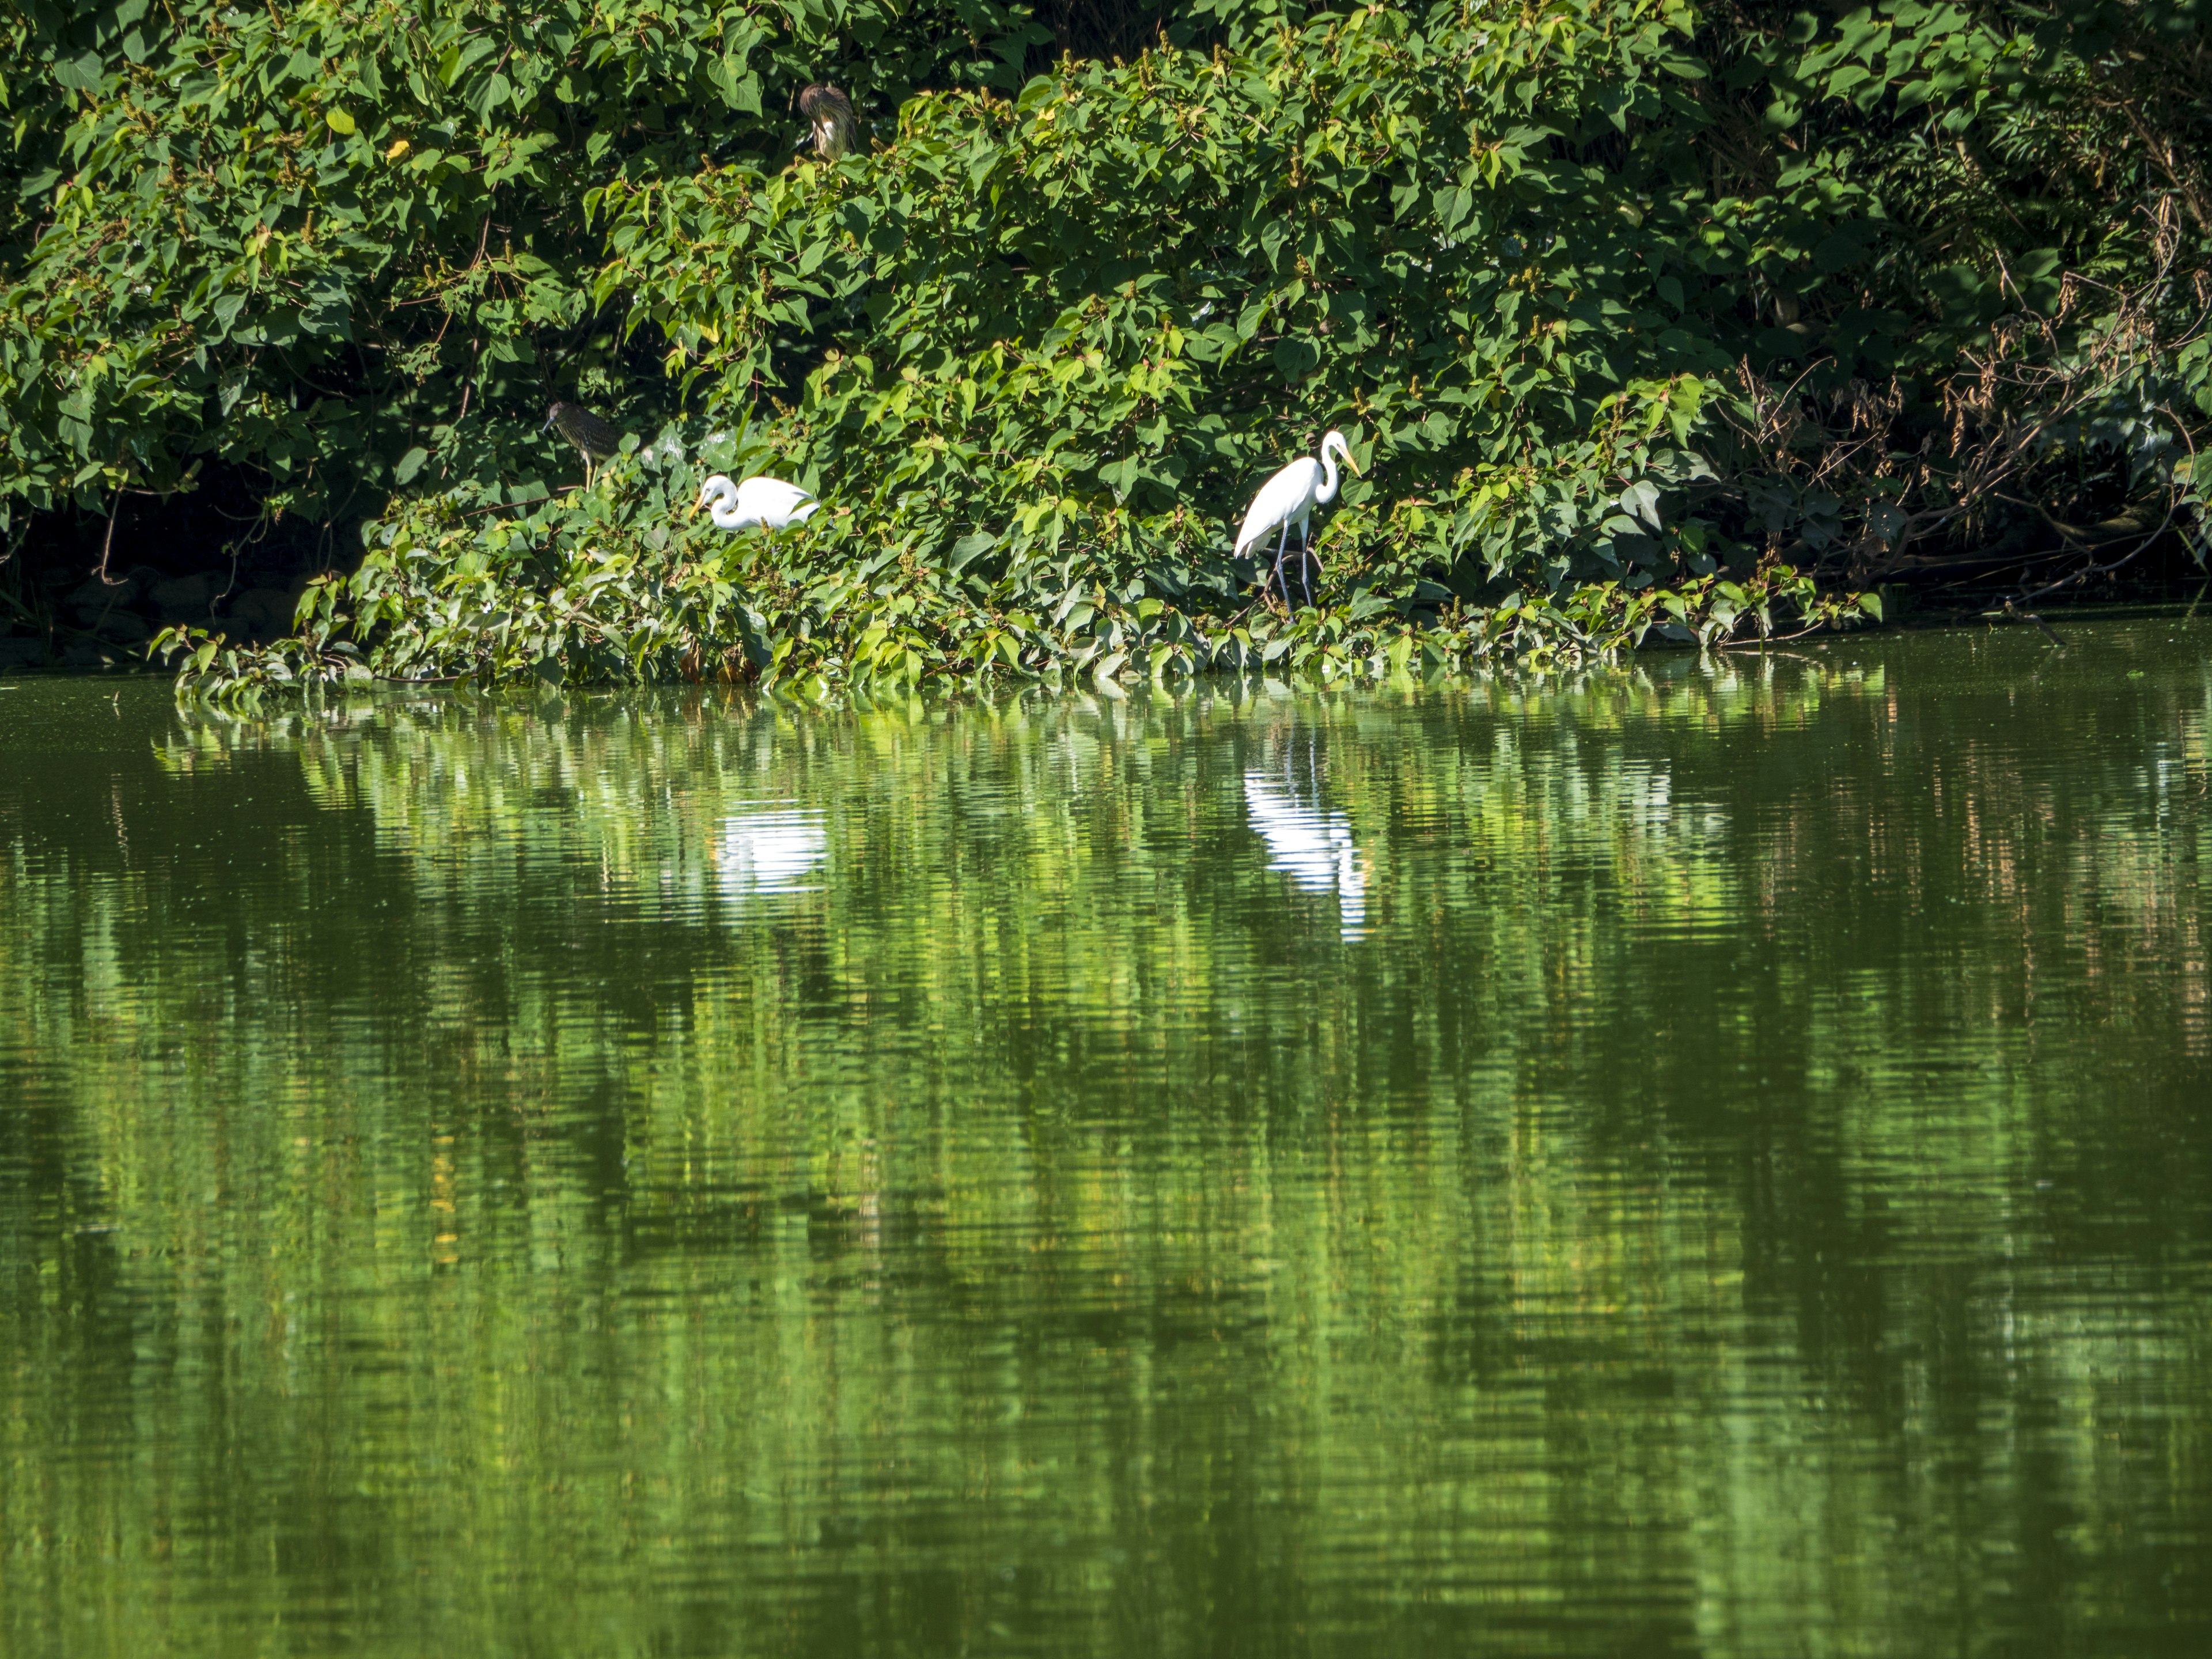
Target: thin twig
{"x": 107, "y": 542}
{"x": 1794, "y": 656}
{"x": 468, "y": 386}
{"x": 1764, "y": 640}
{"x": 2029, "y": 616}
{"x": 499, "y": 506}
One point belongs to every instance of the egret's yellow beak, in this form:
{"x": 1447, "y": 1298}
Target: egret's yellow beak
{"x": 1353, "y": 461}
{"x": 692, "y": 511}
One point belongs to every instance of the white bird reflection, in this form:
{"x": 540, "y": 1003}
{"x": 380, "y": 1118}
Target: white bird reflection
{"x": 1313, "y": 847}
{"x": 770, "y": 852}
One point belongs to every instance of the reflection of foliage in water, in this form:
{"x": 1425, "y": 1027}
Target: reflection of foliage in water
{"x": 1656, "y": 1196}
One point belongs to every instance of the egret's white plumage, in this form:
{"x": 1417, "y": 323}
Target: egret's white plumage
{"x": 770, "y": 502}
{"x": 1289, "y": 498}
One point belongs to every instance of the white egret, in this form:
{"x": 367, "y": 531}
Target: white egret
{"x": 766, "y": 501}
{"x": 1290, "y": 496}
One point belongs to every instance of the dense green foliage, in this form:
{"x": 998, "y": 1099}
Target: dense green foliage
{"x": 1636, "y": 313}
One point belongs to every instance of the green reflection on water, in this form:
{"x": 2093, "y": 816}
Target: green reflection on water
{"x": 1711, "y": 1160}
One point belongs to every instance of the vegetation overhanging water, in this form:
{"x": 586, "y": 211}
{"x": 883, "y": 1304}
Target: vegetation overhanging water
{"x": 1641, "y": 315}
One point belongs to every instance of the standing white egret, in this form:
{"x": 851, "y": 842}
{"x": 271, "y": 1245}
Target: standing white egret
{"x": 1291, "y": 496}
{"x": 770, "y": 502}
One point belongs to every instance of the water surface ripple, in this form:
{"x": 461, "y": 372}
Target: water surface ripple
{"x": 1708, "y": 1159}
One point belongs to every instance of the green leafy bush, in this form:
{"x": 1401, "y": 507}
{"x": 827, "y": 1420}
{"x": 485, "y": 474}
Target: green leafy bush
{"x": 616, "y": 584}
{"x": 314, "y": 240}
{"x": 1640, "y": 315}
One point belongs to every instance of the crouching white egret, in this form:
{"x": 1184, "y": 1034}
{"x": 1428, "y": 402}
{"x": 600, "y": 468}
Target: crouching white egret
{"x": 1290, "y": 496}
{"x": 768, "y": 502}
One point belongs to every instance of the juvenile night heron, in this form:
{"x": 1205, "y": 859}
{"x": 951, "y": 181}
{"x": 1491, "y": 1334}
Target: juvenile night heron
{"x": 1289, "y": 498}
{"x": 594, "y": 438}
{"x": 829, "y": 112}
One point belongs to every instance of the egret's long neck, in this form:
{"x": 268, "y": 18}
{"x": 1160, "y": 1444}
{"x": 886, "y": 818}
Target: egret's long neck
{"x": 1327, "y": 490}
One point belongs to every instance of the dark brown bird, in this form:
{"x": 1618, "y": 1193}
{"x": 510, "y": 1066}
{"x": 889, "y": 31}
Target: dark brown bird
{"x": 594, "y": 438}
{"x": 830, "y": 114}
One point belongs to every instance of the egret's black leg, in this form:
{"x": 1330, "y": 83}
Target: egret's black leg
{"x": 1306, "y": 561}
{"x": 1282, "y": 543}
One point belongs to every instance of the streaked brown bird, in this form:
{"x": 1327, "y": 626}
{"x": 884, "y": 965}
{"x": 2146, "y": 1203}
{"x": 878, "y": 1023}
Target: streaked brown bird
{"x": 830, "y": 114}
{"x": 594, "y": 438}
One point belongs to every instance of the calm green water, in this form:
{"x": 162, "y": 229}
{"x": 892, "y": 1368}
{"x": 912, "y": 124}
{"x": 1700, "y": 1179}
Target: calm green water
{"x": 1690, "y": 1160}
